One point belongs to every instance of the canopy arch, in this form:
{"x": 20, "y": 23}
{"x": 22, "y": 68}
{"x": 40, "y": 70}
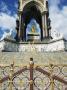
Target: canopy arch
{"x": 31, "y": 10}
{"x": 37, "y": 3}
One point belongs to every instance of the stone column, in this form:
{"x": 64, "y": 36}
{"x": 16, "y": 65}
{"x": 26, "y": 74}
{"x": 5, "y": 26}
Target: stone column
{"x": 43, "y": 25}
{"x": 22, "y": 27}
{"x": 17, "y": 29}
{"x": 20, "y": 20}
{"x": 46, "y": 29}
{"x": 20, "y": 31}
{"x": 49, "y": 27}
{"x": 46, "y": 15}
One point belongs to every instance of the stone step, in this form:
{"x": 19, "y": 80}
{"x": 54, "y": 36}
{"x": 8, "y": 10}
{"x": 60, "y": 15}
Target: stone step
{"x": 38, "y": 57}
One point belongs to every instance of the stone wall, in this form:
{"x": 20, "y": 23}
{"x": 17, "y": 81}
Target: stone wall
{"x": 2, "y": 44}
{"x": 65, "y": 43}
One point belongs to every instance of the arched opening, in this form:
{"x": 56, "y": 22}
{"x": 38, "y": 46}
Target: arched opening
{"x": 31, "y": 11}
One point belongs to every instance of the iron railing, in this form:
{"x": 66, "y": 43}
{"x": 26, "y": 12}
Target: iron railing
{"x": 33, "y": 77}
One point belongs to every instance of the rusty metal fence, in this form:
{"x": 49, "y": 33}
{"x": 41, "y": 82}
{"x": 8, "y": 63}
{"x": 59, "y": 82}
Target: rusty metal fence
{"x": 33, "y": 77}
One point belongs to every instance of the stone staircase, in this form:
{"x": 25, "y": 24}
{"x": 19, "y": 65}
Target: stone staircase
{"x": 38, "y": 57}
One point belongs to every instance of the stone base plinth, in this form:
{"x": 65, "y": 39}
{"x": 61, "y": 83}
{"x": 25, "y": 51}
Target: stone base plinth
{"x": 51, "y": 46}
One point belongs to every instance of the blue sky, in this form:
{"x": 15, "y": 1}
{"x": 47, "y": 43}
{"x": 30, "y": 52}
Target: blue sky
{"x": 10, "y": 5}
{"x": 58, "y": 16}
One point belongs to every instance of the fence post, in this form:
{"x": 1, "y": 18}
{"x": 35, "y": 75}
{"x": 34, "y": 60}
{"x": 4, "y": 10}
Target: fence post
{"x": 0, "y": 83}
{"x": 51, "y": 79}
{"x": 31, "y": 73}
{"x": 11, "y": 76}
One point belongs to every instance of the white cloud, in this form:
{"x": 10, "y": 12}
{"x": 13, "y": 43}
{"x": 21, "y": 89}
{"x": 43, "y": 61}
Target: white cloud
{"x": 58, "y": 17}
{"x": 7, "y": 21}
